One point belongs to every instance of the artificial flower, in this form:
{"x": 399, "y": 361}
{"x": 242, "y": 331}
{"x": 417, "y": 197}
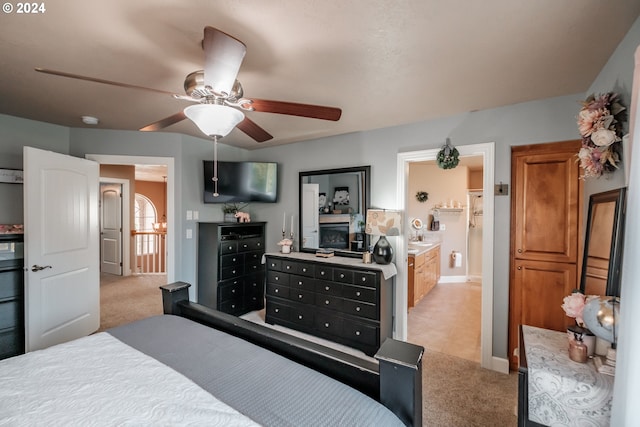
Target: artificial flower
{"x": 285, "y": 242}
{"x": 600, "y": 125}
{"x": 573, "y": 305}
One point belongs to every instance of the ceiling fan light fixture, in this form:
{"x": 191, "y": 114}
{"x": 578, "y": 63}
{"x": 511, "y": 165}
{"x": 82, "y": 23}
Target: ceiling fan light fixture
{"x": 214, "y": 119}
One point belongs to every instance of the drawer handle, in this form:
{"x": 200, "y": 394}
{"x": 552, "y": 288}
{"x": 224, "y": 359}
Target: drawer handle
{"x": 364, "y": 279}
{"x": 304, "y": 269}
{"x": 357, "y": 308}
{"x": 358, "y": 293}
{"x": 326, "y": 325}
{"x": 326, "y": 302}
{"x": 277, "y": 310}
{"x": 277, "y": 278}
{"x": 233, "y": 306}
{"x": 519, "y": 267}
{"x": 300, "y": 317}
{"x": 299, "y": 296}
{"x": 326, "y": 288}
{"x": 300, "y": 282}
{"x": 357, "y": 333}
{"x": 276, "y": 290}
{"x": 233, "y": 271}
{"x": 230, "y": 247}
{"x": 233, "y": 291}
{"x": 342, "y": 275}
{"x": 322, "y": 273}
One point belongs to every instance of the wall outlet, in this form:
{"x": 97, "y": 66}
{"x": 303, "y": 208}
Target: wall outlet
{"x": 442, "y": 227}
{"x": 189, "y": 215}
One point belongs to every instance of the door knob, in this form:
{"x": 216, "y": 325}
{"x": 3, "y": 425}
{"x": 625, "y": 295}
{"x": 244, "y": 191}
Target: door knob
{"x": 39, "y": 267}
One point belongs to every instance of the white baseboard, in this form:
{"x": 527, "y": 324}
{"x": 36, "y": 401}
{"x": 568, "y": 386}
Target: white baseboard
{"x": 452, "y": 279}
{"x": 499, "y": 364}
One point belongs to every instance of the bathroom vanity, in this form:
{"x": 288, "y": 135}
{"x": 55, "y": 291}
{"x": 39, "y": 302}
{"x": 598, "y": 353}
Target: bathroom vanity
{"x": 423, "y": 270}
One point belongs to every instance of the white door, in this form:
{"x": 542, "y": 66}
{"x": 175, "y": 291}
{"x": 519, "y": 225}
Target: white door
{"x": 111, "y": 228}
{"x": 310, "y": 206}
{"x": 62, "y": 279}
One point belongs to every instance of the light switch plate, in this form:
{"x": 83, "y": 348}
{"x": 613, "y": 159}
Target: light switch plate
{"x": 189, "y": 233}
{"x": 189, "y": 215}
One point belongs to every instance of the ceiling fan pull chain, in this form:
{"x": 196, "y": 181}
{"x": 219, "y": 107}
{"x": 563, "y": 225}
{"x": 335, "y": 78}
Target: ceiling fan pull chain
{"x": 215, "y": 166}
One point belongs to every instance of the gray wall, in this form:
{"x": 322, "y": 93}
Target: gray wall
{"x": 540, "y": 121}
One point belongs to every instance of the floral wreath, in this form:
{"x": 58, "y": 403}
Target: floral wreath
{"x": 447, "y": 158}
{"x": 422, "y": 196}
{"x": 600, "y": 125}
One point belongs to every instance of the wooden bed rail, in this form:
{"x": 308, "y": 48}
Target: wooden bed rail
{"x": 395, "y": 380}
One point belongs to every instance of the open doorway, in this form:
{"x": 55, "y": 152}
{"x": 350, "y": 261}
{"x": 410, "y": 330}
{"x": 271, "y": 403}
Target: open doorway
{"x": 134, "y": 294}
{"x": 486, "y": 150}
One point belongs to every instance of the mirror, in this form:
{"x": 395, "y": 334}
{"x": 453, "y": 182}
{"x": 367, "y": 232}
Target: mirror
{"x": 333, "y": 208}
{"x": 603, "y": 243}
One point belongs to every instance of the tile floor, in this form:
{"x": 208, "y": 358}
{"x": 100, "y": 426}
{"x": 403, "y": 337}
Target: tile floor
{"x": 448, "y": 320}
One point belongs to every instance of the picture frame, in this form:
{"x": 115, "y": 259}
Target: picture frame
{"x": 341, "y": 196}
{"x": 11, "y": 176}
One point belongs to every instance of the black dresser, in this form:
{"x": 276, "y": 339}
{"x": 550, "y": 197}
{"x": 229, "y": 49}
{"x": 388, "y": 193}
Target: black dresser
{"x": 11, "y": 295}
{"x": 230, "y": 269}
{"x": 339, "y": 299}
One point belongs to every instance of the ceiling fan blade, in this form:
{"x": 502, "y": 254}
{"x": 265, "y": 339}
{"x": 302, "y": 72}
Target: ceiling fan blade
{"x": 250, "y": 127}
{"x": 223, "y": 57}
{"x": 167, "y": 121}
{"x": 295, "y": 109}
{"x": 97, "y": 80}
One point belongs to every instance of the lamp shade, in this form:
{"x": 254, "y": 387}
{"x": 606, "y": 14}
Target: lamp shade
{"x": 382, "y": 222}
{"x": 214, "y": 119}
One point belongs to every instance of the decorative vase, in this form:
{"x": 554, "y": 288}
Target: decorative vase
{"x": 230, "y": 217}
{"x": 382, "y": 251}
{"x": 286, "y": 249}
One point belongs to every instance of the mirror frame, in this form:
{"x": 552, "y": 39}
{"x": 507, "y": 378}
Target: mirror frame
{"x": 367, "y": 204}
{"x": 615, "y": 255}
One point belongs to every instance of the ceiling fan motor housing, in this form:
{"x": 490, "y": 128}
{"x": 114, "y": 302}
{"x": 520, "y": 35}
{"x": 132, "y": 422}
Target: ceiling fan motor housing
{"x": 194, "y": 87}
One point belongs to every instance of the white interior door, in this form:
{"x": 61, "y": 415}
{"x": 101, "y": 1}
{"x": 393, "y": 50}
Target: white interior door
{"x": 62, "y": 279}
{"x": 310, "y": 206}
{"x": 111, "y": 228}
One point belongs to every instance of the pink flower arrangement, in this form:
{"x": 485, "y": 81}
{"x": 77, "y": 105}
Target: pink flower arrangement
{"x": 600, "y": 125}
{"x": 573, "y": 305}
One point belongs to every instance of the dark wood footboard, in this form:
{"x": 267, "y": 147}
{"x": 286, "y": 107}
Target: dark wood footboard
{"x": 396, "y": 381}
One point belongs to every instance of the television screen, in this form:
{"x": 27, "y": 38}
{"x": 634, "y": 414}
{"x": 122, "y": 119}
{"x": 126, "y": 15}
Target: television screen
{"x": 241, "y": 182}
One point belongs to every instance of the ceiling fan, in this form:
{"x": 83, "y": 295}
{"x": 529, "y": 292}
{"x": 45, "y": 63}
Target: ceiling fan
{"x": 217, "y": 88}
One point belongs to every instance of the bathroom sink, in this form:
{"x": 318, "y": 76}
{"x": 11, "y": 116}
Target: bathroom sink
{"x": 412, "y": 251}
{"x": 421, "y": 244}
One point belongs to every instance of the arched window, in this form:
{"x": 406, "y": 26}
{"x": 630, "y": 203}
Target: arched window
{"x": 145, "y": 216}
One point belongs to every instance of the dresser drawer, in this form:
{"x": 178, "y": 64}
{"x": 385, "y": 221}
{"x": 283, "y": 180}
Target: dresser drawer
{"x": 11, "y": 343}
{"x": 342, "y": 275}
{"x": 230, "y": 306}
{"x": 9, "y": 314}
{"x": 277, "y": 290}
{"x": 301, "y": 316}
{"x": 363, "y": 278}
{"x": 228, "y": 247}
{"x": 328, "y": 301}
{"x": 358, "y": 308}
{"x": 250, "y": 245}
{"x": 231, "y": 260}
{"x": 360, "y": 332}
{"x": 11, "y": 283}
{"x": 277, "y": 310}
{"x": 254, "y": 284}
{"x": 274, "y": 264}
{"x": 302, "y": 296}
{"x": 302, "y": 282}
{"x": 324, "y": 272}
{"x": 230, "y": 290}
{"x": 253, "y": 267}
{"x": 328, "y": 323}
{"x": 300, "y": 268}
{"x": 254, "y": 257}
{"x": 359, "y": 293}
{"x": 328, "y": 288}
{"x": 230, "y": 272}
{"x": 278, "y": 278}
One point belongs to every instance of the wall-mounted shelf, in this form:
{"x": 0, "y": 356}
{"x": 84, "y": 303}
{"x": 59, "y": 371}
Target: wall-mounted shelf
{"x": 455, "y": 210}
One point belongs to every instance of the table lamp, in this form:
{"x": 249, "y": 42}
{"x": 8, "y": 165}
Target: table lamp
{"x": 381, "y": 222}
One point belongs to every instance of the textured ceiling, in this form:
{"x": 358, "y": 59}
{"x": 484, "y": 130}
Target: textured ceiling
{"x": 384, "y": 63}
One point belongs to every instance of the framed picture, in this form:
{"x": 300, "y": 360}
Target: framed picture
{"x": 11, "y": 176}
{"x": 322, "y": 200}
{"x": 341, "y": 196}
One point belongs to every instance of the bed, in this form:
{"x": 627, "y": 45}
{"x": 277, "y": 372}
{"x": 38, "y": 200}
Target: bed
{"x": 197, "y": 366}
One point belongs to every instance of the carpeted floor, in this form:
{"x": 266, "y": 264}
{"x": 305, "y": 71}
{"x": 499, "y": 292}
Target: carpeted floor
{"x": 129, "y": 298}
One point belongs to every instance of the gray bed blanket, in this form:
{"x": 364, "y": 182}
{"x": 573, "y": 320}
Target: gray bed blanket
{"x": 268, "y": 388}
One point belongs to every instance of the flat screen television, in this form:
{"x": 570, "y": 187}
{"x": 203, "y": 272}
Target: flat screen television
{"x": 242, "y": 182}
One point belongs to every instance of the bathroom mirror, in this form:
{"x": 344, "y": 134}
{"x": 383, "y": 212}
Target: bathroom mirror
{"x": 333, "y": 208}
{"x": 603, "y": 243}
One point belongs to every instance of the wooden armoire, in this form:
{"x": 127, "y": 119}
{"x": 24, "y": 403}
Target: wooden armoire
{"x": 546, "y": 218}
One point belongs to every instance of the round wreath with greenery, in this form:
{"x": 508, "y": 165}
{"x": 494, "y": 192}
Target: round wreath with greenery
{"x": 422, "y": 196}
{"x": 448, "y": 157}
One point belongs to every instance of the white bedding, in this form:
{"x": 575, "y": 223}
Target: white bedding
{"x": 100, "y": 381}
